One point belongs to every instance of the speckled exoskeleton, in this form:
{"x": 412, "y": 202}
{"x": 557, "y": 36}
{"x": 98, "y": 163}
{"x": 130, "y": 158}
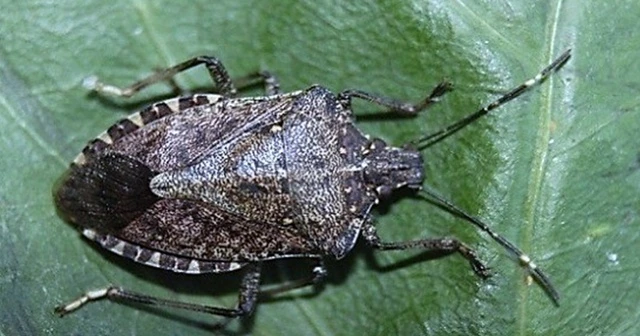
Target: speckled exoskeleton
{"x": 214, "y": 183}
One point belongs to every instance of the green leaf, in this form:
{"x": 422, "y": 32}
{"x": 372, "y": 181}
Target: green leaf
{"x": 556, "y": 171}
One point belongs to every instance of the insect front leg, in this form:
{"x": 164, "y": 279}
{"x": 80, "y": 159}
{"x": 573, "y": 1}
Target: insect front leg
{"x": 216, "y": 70}
{"x": 249, "y": 289}
{"x": 396, "y": 106}
{"x": 439, "y": 246}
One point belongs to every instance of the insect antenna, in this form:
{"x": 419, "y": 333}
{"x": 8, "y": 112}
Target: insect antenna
{"x": 428, "y": 140}
{"x": 536, "y": 273}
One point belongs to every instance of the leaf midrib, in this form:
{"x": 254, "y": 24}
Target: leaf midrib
{"x": 540, "y": 162}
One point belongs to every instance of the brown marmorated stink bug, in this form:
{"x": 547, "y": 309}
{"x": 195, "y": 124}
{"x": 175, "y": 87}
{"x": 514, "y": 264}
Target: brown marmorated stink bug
{"x": 211, "y": 183}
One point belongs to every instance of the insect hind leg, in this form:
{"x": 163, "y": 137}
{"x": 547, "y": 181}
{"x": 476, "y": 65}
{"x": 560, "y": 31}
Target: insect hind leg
{"x": 248, "y": 295}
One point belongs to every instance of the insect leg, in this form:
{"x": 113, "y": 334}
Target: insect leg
{"x": 441, "y": 134}
{"x": 402, "y": 108}
{"x": 439, "y": 246}
{"x": 318, "y": 274}
{"x": 265, "y": 78}
{"x": 248, "y": 295}
{"x": 216, "y": 70}
{"x": 534, "y": 271}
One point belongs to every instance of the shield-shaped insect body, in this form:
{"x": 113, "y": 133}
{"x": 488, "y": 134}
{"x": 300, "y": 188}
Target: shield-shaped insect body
{"x": 212, "y": 183}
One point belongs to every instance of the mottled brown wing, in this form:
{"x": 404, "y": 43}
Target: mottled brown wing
{"x": 201, "y": 231}
{"x": 182, "y": 138}
{"x": 110, "y": 195}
